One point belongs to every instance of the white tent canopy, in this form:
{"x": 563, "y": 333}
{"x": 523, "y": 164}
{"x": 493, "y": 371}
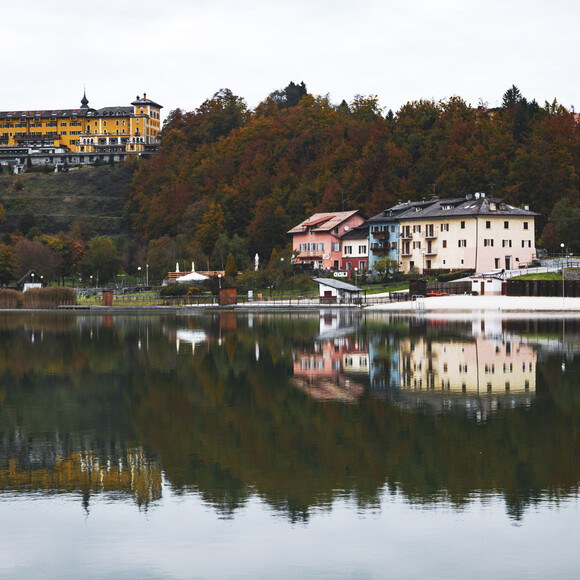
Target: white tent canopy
{"x": 192, "y": 277}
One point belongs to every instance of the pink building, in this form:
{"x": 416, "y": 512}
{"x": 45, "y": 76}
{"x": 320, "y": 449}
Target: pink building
{"x": 318, "y": 240}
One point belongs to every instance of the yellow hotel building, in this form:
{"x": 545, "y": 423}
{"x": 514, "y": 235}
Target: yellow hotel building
{"x": 82, "y": 135}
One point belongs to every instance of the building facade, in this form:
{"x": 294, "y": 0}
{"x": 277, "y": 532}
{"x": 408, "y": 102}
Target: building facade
{"x": 383, "y": 232}
{"x": 476, "y": 232}
{"x": 355, "y": 249}
{"x": 318, "y": 240}
{"x": 81, "y": 135}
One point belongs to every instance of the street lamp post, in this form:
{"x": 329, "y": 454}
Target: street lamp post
{"x": 139, "y": 275}
{"x": 563, "y": 275}
{"x": 147, "y": 275}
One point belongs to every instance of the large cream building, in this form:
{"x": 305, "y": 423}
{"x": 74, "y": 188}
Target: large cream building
{"x": 475, "y": 232}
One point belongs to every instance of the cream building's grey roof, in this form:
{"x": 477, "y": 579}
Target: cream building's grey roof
{"x": 435, "y": 208}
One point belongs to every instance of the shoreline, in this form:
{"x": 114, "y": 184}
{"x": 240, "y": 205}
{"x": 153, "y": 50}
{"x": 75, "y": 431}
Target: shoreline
{"x": 486, "y": 303}
{"x": 447, "y": 304}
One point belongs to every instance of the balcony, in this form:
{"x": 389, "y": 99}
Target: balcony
{"x": 311, "y": 254}
{"x": 407, "y": 234}
{"x": 431, "y": 234}
{"x": 46, "y": 139}
{"x": 406, "y": 252}
{"x": 380, "y": 234}
{"x": 431, "y": 251}
{"x": 379, "y": 249}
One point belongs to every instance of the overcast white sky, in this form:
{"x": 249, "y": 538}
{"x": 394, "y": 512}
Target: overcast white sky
{"x": 180, "y": 52}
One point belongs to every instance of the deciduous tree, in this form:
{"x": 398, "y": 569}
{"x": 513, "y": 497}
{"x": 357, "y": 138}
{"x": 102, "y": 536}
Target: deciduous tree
{"x": 102, "y": 260}
{"x": 7, "y": 264}
{"x": 35, "y": 256}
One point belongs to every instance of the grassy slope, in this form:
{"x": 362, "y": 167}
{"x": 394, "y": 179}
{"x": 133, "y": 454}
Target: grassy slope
{"x": 58, "y": 199}
{"x": 540, "y": 276}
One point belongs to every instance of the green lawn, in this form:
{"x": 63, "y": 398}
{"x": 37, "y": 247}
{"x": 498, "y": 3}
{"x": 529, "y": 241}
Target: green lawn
{"x": 540, "y": 276}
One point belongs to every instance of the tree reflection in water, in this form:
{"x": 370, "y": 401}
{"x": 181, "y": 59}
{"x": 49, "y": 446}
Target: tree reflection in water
{"x": 299, "y": 409}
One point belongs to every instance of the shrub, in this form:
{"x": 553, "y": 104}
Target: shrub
{"x": 179, "y": 289}
{"x": 10, "y": 299}
{"x": 435, "y": 272}
{"x": 49, "y": 297}
{"x": 252, "y": 280}
{"x": 231, "y": 270}
{"x": 455, "y": 274}
{"x": 300, "y": 283}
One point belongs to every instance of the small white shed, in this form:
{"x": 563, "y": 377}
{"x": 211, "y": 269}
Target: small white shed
{"x": 332, "y": 291}
{"x": 487, "y": 285}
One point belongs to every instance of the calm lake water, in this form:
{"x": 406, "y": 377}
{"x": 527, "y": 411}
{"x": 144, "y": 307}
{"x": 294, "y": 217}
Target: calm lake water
{"x": 289, "y": 445}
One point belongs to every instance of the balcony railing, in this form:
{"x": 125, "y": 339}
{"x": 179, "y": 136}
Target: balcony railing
{"x": 311, "y": 254}
{"x": 431, "y": 251}
{"x": 431, "y": 234}
{"x": 380, "y": 234}
{"x": 406, "y": 234}
{"x": 378, "y": 249}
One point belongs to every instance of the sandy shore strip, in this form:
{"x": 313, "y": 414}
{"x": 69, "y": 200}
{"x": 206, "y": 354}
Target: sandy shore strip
{"x": 502, "y": 303}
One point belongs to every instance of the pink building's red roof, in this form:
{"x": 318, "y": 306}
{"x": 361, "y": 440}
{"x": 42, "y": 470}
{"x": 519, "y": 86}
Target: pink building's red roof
{"x": 323, "y": 222}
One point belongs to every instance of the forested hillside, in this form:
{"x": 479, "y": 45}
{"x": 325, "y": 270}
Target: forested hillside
{"x": 229, "y": 179}
{"x": 256, "y": 173}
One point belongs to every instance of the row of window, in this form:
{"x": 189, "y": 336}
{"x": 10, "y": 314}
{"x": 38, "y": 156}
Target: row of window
{"x": 134, "y": 140}
{"x": 361, "y": 266}
{"x": 361, "y": 250}
{"x": 319, "y": 246}
{"x": 38, "y": 125}
{"x": 490, "y": 368}
{"x": 312, "y": 246}
{"x": 430, "y": 228}
{"x": 40, "y": 134}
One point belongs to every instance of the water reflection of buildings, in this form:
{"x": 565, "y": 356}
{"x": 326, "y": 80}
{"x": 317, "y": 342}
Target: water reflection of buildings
{"x": 336, "y": 365}
{"x": 86, "y": 472}
{"x": 192, "y": 337}
{"x": 480, "y": 366}
{"x": 485, "y": 370}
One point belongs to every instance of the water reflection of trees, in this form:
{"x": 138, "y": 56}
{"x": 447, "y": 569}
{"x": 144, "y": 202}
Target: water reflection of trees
{"x": 224, "y": 419}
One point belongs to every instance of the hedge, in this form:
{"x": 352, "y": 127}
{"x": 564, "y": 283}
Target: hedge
{"x": 52, "y": 297}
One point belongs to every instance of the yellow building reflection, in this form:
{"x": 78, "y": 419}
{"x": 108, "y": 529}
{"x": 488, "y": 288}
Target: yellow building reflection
{"x": 84, "y": 471}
